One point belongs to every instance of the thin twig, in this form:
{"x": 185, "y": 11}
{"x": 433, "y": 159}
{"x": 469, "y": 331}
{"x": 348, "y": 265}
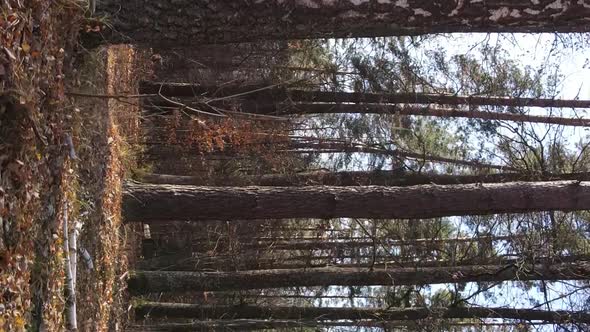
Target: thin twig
{"x": 252, "y": 91}
{"x": 184, "y": 106}
{"x": 108, "y": 96}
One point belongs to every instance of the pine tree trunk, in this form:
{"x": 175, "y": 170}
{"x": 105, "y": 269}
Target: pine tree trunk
{"x": 425, "y": 98}
{"x": 170, "y": 151}
{"x": 315, "y": 108}
{"x": 349, "y": 147}
{"x": 193, "y": 22}
{"x": 359, "y": 178}
{"x": 248, "y": 262}
{"x": 321, "y": 102}
{"x": 141, "y": 282}
{"x": 182, "y": 310}
{"x": 274, "y": 324}
{"x": 145, "y": 203}
{"x": 241, "y": 63}
{"x": 266, "y": 92}
{"x": 326, "y": 244}
{"x": 251, "y": 325}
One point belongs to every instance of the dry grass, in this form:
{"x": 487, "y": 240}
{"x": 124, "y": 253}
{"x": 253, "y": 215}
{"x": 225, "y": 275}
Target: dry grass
{"x": 105, "y": 126}
{"x": 37, "y": 39}
{"x": 38, "y": 179}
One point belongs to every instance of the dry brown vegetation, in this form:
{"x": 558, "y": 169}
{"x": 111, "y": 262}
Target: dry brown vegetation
{"x": 103, "y": 156}
{"x": 40, "y": 64}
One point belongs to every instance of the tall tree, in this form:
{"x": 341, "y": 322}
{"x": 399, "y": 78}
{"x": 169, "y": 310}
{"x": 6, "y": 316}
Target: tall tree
{"x": 202, "y": 22}
{"x": 165, "y": 281}
{"x": 334, "y": 108}
{"x": 240, "y": 262}
{"x": 142, "y": 202}
{"x": 328, "y": 108}
{"x": 267, "y": 99}
{"x": 356, "y": 178}
{"x": 268, "y": 92}
{"x": 181, "y": 310}
{"x": 280, "y": 324}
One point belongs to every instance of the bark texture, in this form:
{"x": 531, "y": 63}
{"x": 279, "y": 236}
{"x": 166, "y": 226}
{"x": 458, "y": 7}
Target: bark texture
{"x": 141, "y": 282}
{"x": 425, "y": 98}
{"x": 279, "y": 94}
{"x": 181, "y": 310}
{"x": 243, "y": 63}
{"x": 168, "y": 151}
{"x": 350, "y": 147}
{"x": 360, "y": 178}
{"x": 249, "y": 325}
{"x": 145, "y": 202}
{"x": 327, "y": 244}
{"x": 271, "y": 324}
{"x": 318, "y": 108}
{"x": 250, "y": 262}
{"x": 190, "y": 22}
{"x": 322, "y": 102}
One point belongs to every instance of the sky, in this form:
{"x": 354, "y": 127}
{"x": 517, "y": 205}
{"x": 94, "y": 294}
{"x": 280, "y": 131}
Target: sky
{"x": 574, "y": 64}
{"x": 533, "y": 50}
{"x": 530, "y": 50}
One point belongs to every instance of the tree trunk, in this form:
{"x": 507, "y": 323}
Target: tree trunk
{"x": 360, "y": 178}
{"x": 326, "y": 244}
{"x": 350, "y": 147}
{"x": 169, "y": 151}
{"x": 273, "y": 324}
{"x": 252, "y": 325}
{"x": 141, "y": 282}
{"x": 145, "y": 203}
{"x": 194, "y": 22}
{"x": 243, "y": 63}
{"x": 182, "y": 310}
{"x": 425, "y": 98}
{"x": 314, "y": 108}
{"x": 366, "y": 103}
{"x": 241, "y": 262}
{"x": 266, "y": 92}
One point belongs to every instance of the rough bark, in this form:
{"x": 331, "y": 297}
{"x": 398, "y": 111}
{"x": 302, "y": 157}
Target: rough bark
{"x": 190, "y": 22}
{"x": 349, "y": 147}
{"x": 272, "y": 324}
{"x": 320, "y": 102}
{"x": 279, "y": 94}
{"x": 162, "y": 151}
{"x": 241, "y": 262}
{"x": 360, "y": 178}
{"x": 172, "y": 89}
{"x": 331, "y": 108}
{"x": 250, "y": 325}
{"x": 323, "y": 244}
{"x": 145, "y": 202}
{"x": 315, "y": 108}
{"x": 244, "y": 261}
{"x": 141, "y": 282}
{"x": 244, "y": 63}
{"x": 425, "y": 98}
{"x": 181, "y": 310}
{"x": 320, "y": 244}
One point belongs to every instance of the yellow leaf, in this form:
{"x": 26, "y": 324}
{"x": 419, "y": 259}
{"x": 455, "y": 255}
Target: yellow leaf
{"x": 26, "y": 47}
{"x": 19, "y": 322}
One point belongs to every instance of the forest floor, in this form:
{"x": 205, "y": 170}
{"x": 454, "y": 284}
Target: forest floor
{"x": 64, "y": 152}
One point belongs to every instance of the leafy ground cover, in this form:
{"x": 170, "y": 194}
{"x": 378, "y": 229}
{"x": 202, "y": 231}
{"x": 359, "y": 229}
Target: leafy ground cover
{"x": 62, "y": 148}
